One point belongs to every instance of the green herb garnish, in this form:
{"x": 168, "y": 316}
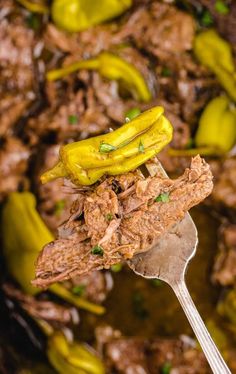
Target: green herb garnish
{"x": 221, "y": 7}
{"x": 139, "y": 308}
{"x": 116, "y": 268}
{"x": 131, "y": 114}
{"x": 166, "y": 72}
{"x": 73, "y": 119}
{"x": 207, "y": 19}
{"x": 156, "y": 282}
{"x": 163, "y": 197}
{"x": 109, "y": 217}
{"x": 97, "y": 250}
{"x": 141, "y": 147}
{"x": 33, "y": 21}
{"x": 106, "y": 148}
{"x": 59, "y": 207}
{"x": 78, "y": 290}
{"x": 190, "y": 143}
{"x": 166, "y": 368}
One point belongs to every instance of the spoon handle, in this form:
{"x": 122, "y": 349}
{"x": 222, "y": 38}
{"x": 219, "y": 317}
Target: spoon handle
{"x": 212, "y": 354}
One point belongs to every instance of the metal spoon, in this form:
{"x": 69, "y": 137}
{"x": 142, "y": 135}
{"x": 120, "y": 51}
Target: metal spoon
{"x": 168, "y": 261}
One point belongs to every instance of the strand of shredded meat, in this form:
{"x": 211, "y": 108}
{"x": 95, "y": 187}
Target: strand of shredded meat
{"x": 120, "y": 217}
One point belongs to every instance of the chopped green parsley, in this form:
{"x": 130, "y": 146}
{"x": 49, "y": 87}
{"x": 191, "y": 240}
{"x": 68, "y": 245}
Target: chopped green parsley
{"x": 206, "y": 19}
{"x": 79, "y": 289}
{"x": 166, "y": 72}
{"x": 221, "y": 7}
{"x": 139, "y": 307}
{"x": 59, "y": 207}
{"x": 163, "y": 197}
{"x": 141, "y": 147}
{"x": 109, "y": 217}
{"x": 166, "y": 368}
{"x": 106, "y": 148}
{"x": 73, "y": 119}
{"x": 97, "y": 250}
{"x": 156, "y": 282}
{"x": 116, "y": 268}
{"x": 33, "y": 21}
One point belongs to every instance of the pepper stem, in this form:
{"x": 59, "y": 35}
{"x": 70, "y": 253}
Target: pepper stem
{"x": 77, "y": 301}
{"x": 58, "y": 171}
{"x": 44, "y": 326}
{"x": 90, "y": 64}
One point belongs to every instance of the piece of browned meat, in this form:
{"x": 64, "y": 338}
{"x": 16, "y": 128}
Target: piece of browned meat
{"x": 158, "y": 28}
{"x": 118, "y": 218}
{"x": 17, "y": 82}
{"x": 224, "y": 271}
{"x": 94, "y": 286}
{"x": 131, "y": 355}
{"x": 78, "y": 117}
{"x": 14, "y": 157}
{"x": 223, "y": 193}
{"x": 42, "y": 309}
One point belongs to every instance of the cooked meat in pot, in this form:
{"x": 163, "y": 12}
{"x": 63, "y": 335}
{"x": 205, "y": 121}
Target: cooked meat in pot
{"x": 224, "y": 271}
{"x": 127, "y": 355}
{"x": 14, "y": 156}
{"x": 101, "y": 225}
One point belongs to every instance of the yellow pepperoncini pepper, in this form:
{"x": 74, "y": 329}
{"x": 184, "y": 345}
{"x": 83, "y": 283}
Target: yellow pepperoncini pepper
{"x": 111, "y": 67}
{"x": 77, "y": 15}
{"x": 215, "y": 53}
{"x": 23, "y": 236}
{"x": 216, "y": 133}
{"x": 72, "y": 358}
{"x": 217, "y": 125}
{"x": 69, "y": 357}
{"x": 118, "y": 152}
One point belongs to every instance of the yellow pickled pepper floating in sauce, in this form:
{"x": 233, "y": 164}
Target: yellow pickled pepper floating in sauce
{"x": 217, "y": 125}
{"x": 216, "y": 133}
{"x": 111, "y": 67}
{"x": 216, "y": 53}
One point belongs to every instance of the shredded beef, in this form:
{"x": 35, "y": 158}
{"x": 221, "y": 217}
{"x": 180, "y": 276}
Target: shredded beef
{"x": 224, "y": 271}
{"x": 223, "y": 193}
{"x": 135, "y": 222}
{"x": 16, "y": 67}
{"x": 162, "y": 29}
{"x": 188, "y": 84}
{"x": 46, "y": 310}
{"x": 55, "y": 122}
{"x": 134, "y": 355}
{"x": 13, "y": 164}
{"x": 11, "y": 109}
{"x": 95, "y": 286}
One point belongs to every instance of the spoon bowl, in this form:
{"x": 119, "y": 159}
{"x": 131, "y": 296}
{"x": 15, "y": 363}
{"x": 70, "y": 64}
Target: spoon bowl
{"x": 167, "y": 260}
{"x": 170, "y": 255}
